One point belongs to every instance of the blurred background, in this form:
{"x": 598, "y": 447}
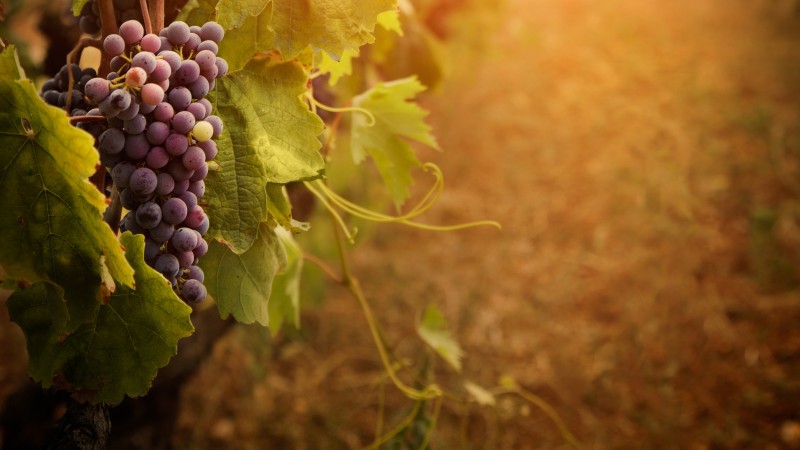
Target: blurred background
{"x": 643, "y": 158}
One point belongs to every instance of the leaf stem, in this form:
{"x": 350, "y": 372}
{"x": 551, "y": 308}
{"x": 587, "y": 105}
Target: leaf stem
{"x": 316, "y": 103}
{"x": 78, "y": 119}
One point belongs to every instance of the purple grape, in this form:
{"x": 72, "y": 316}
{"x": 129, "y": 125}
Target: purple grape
{"x": 179, "y": 98}
{"x": 189, "y": 199}
{"x": 209, "y": 148}
{"x": 210, "y": 74}
{"x": 162, "y": 232}
{"x": 208, "y": 45}
{"x": 200, "y": 174}
{"x": 117, "y": 63}
{"x": 143, "y": 181}
{"x": 144, "y": 108}
{"x": 199, "y": 88}
{"x": 112, "y": 141}
{"x": 135, "y": 77}
{"x": 207, "y": 104}
{"x": 148, "y": 215}
{"x": 144, "y": 60}
{"x": 150, "y": 43}
{"x": 130, "y": 112}
{"x": 193, "y": 291}
{"x": 97, "y": 89}
{"x": 180, "y": 187}
{"x": 152, "y": 94}
{"x": 136, "y": 125}
{"x": 187, "y": 72}
{"x": 178, "y": 170}
{"x": 119, "y": 100}
{"x": 176, "y": 144}
{"x": 194, "y": 217}
{"x": 183, "y": 122}
{"x": 206, "y": 59}
{"x": 165, "y": 184}
{"x": 121, "y": 173}
{"x": 157, "y": 158}
{"x": 167, "y": 265}
{"x": 191, "y": 44}
{"x": 165, "y": 44}
{"x": 114, "y": 45}
{"x": 185, "y": 259}
{"x": 172, "y": 58}
{"x": 151, "y": 250}
{"x": 194, "y": 273}
{"x": 131, "y": 31}
{"x": 136, "y": 147}
{"x": 193, "y": 158}
{"x": 194, "y": 29}
{"x": 178, "y": 33}
{"x": 203, "y": 227}
{"x": 222, "y": 67}
{"x": 201, "y": 249}
{"x": 157, "y": 133}
{"x": 212, "y": 31}
{"x": 127, "y": 200}
{"x": 184, "y": 240}
{"x": 129, "y": 223}
{"x": 198, "y": 110}
{"x": 163, "y": 112}
{"x": 174, "y": 211}
{"x": 197, "y": 187}
{"x": 161, "y": 72}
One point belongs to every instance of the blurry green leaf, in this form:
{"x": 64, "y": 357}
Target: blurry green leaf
{"x": 284, "y": 303}
{"x": 241, "y": 283}
{"x": 198, "y": 12}
{"x": 51, "y": 215}
{"x": 396, "y": 118}
{"x": 481, "y": 395}
{"x": 433, "y": 330}
{"x": 77, "y": 6}
{"x": 119, "y": 352}
{"x": 415, "y": 52}
{"x": 330, "y": 25}
{"x": 390, "y": 21}
{"x": 336, "y": 69}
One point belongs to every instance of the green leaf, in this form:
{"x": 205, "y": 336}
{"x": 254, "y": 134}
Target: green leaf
{"x": 280, "y": 209}
{"x": 253, "y": 36}
{"x": 241, "y": 283}
{"x": 51, "y": 222}
{"x": 433, "y": 330}
{"x": 284, "y": 302}
{"x": 396, "y": 118}
{"x": 390, "y": 21}
{"x": 120, "y": 351}
{"x": 198, "y": 12}
{"x": 337, "y": 69}
{"x": 77, "y": 6}
{"x": 232, "y": 13}
{"x": 330, "y": 25}
{"x": 270, "y": 136}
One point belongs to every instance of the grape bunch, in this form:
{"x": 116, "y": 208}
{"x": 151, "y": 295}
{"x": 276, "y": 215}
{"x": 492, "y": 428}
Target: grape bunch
{"x": 124, "y": 10}
{"x": 57, "y": 92}
{"x": 160, "y": 139}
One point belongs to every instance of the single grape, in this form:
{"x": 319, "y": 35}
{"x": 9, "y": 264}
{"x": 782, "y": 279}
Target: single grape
{"x": 120, "y": 99}
{"x": 203, "y": 227}
{"x": 184, "y": 239}
{"x": 193, "y": 158}
{"x": 197, "y": 187}
{"x": 191, "y": 45}
{"x": 194, "y": 217}
{"x": 202, "y": 131}
{"x": 136, "y": 77}
{"x": 193, "y": 291}
{"x": 207, "y": 104}
{"x": 165, "y": 44}
{"x": 150, "y": 43}
{"x": 212, "y": 31}
{"x": 210, "y": 74}
{"x": 165, "y": 184}
{"x": 131, "y": 31}
{"x": 97, "y": 89}
{"x": 222, "y": 67}
{"x": 51, "y": 97}
{"x": 136, "y": 146}
{"x": 208, "y": 45}
{"x": 117, "y": 63}
{"x": 172, "y": 58}
{"x": 189, "y": 199}
{"x": 174, "y": 211}
{"x": 178, "y": 33}
{"x": 157, "y": 158}
{"x": 187, "y": 72}
{"x": 144, "y": 108}
{"x": 112, "y": 141}
{"x": 148, "y": 215}
{"x": 136, "y": 125}
{"x": 176, "y": 144}
{"x": 157, "y": 133}
{"x": 163, "y": 112}
{"x": 179, "y": 97}
{"x": 209, "y": 148}
{"x": 198, "y": 110}
{"x": 167, "y": 265}
{"x": 206, "y": 59}
{"x": 126, "y": 199}
{"x": 114, "y": 45}
{"x": 151, "y": 250}
{"x": 178, "y": 170}
{"x": 151, "y": 94}
{"x": 144, "y": 60}
{"x": 130, "y": 223}
{"x": 183, "y": 122}
{"x": 161, "y": 72}
{"x": 185, "y": 259}
{"x": 143, "y": 181}
{"x": 180, "y": 187}
{"x": 162, "y": 232}
{"x": 121, "y": 173}
{"x": 200, "y": 174}
{"x": 194, "y": 273}
{"x": 199, "y": 88}
{"x": 201, "y": 249}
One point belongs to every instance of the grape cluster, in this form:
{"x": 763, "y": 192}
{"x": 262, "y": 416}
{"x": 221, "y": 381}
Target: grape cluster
{"x": 124, "y": 10}
{"x": 57, "y": 92}
{"x": 159, "y": 140}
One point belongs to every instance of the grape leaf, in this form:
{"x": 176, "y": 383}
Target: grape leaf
{"x": 337, "y": 69}
{"x": 433, "y": 330}
{"x": 253, "y": 36}
{"x": 133, "y": 335}
{"x": 280, "y": 209}
{"x": 197, "y": 12}
{"x": 232, "y": 13}
{"x": 51, "y": 222}
{"x": 330, "y": 25}
{"x": 284, "y": 302}
{"x": 77, "y": 6}
{"x": 480, "y": 394}
{"x": 241, "y": 283}
{"x": 395, "y": 118}
{"x": 416, "y": 51}
{"x": 390, "y": 21}
{"x": 270, "y": 136}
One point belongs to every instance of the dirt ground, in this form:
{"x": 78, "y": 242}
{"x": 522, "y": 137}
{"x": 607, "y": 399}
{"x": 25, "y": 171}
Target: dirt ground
{"x": 643, "y": 158}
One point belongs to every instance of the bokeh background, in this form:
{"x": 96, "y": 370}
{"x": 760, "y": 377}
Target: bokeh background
{"x": 643, "y": 158}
